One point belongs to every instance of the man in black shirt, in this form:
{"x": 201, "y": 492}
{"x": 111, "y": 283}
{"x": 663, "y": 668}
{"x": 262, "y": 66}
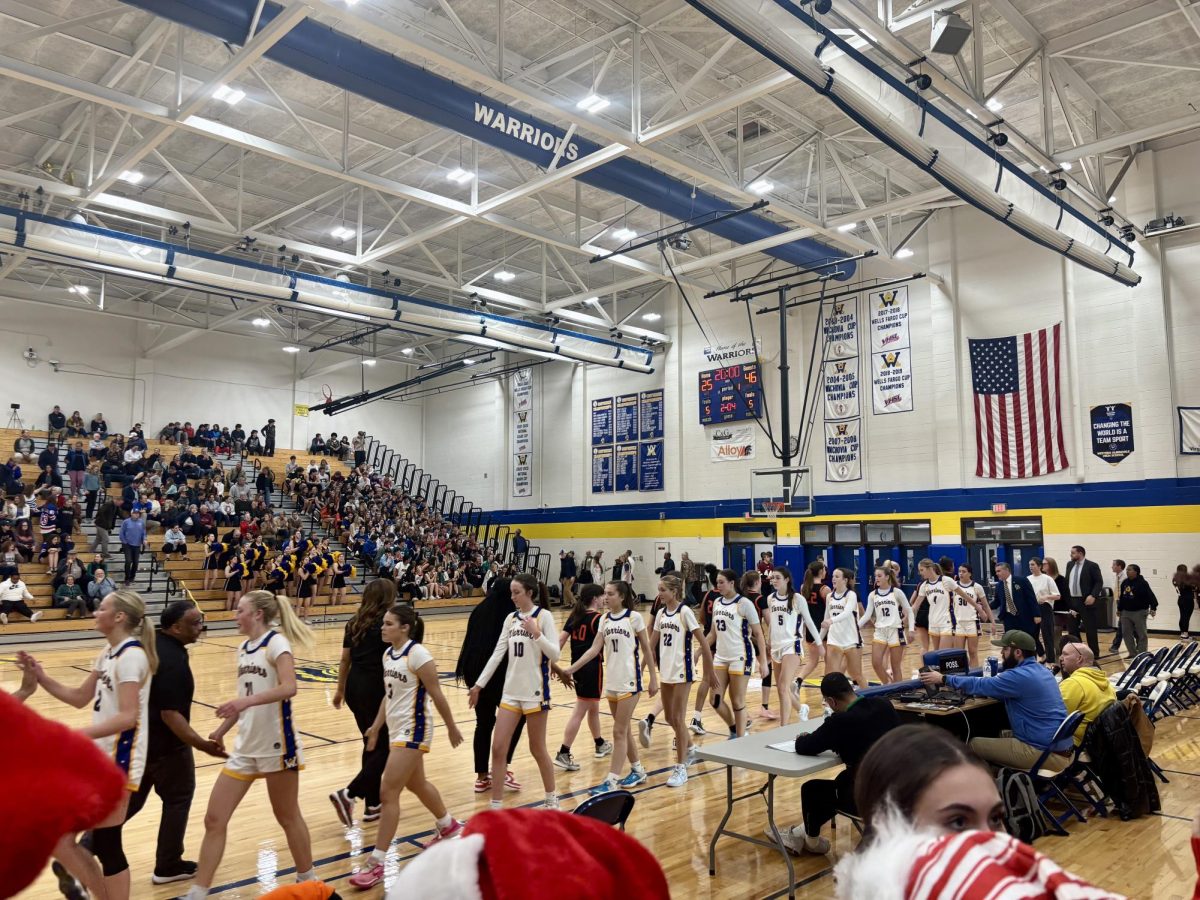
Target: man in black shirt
{"x": 268, "y": 435}
{"x": 170, "y": 768}
{"x": 856, "y": 724}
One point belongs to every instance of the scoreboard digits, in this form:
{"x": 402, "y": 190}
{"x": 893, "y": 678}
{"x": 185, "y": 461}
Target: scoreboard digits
{"x": 730, "y": 394}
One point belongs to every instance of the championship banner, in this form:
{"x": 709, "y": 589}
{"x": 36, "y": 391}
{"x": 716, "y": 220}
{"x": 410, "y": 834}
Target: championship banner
{"x": 1189, "y": 430}
{"x": 522, "y": 475}
{"x": 842, "y": 451}
{"x": 625, "y": 419}
{"x": 602, "y": 470}
{"x": 841, "y": 389}
{"x": 1112, "y": 432}
{"x": 731, "y": 443}
{"x": 891, "y": 381}
{"x": 889, "y": 319}
{"x": 839, "y": 326}
{"x": 602, "y": 421}
{"x": 522, "y": 431}
{"x": 650, "y": 414}
{"x": 626, "y": 466}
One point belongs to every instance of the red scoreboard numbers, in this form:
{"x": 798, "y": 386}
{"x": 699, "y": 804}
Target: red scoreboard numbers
{"x": 730, "y": 394}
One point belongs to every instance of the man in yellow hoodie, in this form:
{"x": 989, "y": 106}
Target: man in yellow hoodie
{"x": 1084, "y": 687}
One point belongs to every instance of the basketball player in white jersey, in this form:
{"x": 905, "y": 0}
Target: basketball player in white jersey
{"x": 622, "y": 637}
{"x": 735, "y": 633}
{"x": 528, "y": 639}
{"x": 843, "y": 640}
{"x": 787, "y": 619}
{"x": 938, "y": 590}
{"x": 412, "y": 689}
{"x": 118, "y": 688}
{"x": 267, "y": 745}
{"x": 677, "y": 633}
{"x": 890, "y": 609}
{"x": 968, "y": 613}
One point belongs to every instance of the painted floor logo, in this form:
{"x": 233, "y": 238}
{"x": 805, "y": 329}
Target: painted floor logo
{"x": 318, "y": 673}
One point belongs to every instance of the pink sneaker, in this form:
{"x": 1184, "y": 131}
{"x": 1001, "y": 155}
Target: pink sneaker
{"x": 510, "y": 781}
{"x": 453, "y": 830}
{"x": 368, "y": 878}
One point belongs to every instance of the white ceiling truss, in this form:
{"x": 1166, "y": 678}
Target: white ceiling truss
{"x": 92, "y": 89}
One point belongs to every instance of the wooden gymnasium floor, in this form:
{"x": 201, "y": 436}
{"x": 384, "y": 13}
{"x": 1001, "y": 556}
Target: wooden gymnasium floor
{"x": 1146, "y": 858}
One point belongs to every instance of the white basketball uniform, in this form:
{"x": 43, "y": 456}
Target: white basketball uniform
{"x": 787, "y": 626}
{"x": 842, "y": 612}
{"x": 527, "y": 679}
{"x": 938, "y": 594}
{"x": 267, "y": 740}
{"x": 885, "y": 607}
{"x": 675, "y": 664}
{"x": 966, "y": 614}
{"x": 622, "y": 653}
{"x": 733, "y": 620}
{"x": 115, "y": 666}
{"x": 409, "y": 710}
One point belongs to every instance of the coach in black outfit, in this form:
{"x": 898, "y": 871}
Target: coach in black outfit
{"x": 1086, "y": 584}
{"x": 1015, "y": 601}
{"x": 170, "y": 767}
{"x": 856, "y": 724}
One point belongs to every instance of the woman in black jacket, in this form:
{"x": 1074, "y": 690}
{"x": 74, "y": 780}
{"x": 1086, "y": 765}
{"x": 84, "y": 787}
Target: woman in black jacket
{"x": 483, "y": 630}
{"x": 360, "y": 684}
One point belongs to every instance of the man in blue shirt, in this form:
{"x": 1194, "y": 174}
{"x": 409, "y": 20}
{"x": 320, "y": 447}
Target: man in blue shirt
{"x": 1032, "y": 700}
{"x": 133, "y": 542}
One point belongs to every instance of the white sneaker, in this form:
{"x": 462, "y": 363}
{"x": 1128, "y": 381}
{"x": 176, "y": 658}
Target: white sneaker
{"x": 35, "y": 617}
{"x": 3, "y": 618}
{"x": 697, "y": 727}
{"x": 549, "y": 804}
{"x": 644, "y": 727}
{"x": 679, "y": 777}
{"x": 691, "y": 759}
{"x": 604, "y": 750}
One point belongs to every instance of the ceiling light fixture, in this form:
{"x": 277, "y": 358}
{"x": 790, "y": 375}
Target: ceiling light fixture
{"x": 849, "y": 226}
{"x": 230, "y": 95}
{"x": 131, "y": 177}
{"x": 971, "y": 113}
{"x": 468, "y": 362}
{"x": 368, "y": 362}
{"x": 903, "y": 253}
{"x": 651, "y": 317}
{"x": 291, "y": 349}
{"x": 994, "y": 105}
{"x": 503, "y": 275}
{"x": 624, "y": 234}
{"x": 1112, "y": 199}
{"x": 762, "y": 186}
{"x": 460, "y": 176}
{"x": 261, "y": 322}
{"x": 407, "y": 351}
{"x": 81, "y": 289}
{"x": 1067, "y": 166}
{"x": 592, "y": 103}
{"x": 342, "y": 233}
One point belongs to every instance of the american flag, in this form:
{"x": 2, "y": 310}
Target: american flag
{"x": 1018, "y": 414}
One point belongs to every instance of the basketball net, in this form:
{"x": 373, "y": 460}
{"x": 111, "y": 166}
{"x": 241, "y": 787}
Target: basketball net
{"x": 772, "y": 508}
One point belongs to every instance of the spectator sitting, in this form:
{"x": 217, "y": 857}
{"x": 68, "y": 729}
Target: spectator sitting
{"x": 48, "y": 457}
{"x": 1084, "y": 687}
{"x": 166, "y": 434}
{"x": 70, "y": 565}
{"x": 237, "y": 437}
{"x": 100, "y": 586}
{"x": 254, "y": 445}
{"x": 98, "y": 424}
{"x": 14, "y": 597}
{"x": 317, "y": 445}
{"x": 76, "y": 426}
{"x": 12, "y": 478}
{"x": 175, "y": 541}
{"x": 97, "y": 449}
{"x": 23, "y": 447}
{"x": 69, "y": 596}
{"x": 48, "y": 482}
{"x": 132, "y": 459}
{"x": 57, "y": 425}
{"x": 856, "y": 724}
{"x": 1032, "y": 701}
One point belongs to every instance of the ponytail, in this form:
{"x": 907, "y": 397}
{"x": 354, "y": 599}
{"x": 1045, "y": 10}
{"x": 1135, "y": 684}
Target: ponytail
{"x": 791, "y": 587}
{"x": 810, "y": 576}
{"x": 583, "y": 603}
{"x": 406, "y": 614}
{"x": 277, "y": 608}
{"x": 628, "y": 601}
{"x": 673, "y": 586}
{"x": 131, "y": 605}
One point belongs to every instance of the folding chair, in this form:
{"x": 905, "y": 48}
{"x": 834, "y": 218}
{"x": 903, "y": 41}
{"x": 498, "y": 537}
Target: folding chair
{"x": 1045, "y": 781}
{"x": 612, "y": 807}
{"x": 1080, "y": 775}
{"x": 1126, "y": 680}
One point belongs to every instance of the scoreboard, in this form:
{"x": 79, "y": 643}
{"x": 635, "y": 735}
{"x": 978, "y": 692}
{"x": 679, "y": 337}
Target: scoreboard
{"x": 730, "y": 394}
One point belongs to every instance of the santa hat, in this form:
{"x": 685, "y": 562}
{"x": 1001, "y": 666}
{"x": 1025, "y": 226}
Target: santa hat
{"x": 902, "y": 864}
{"x": 514, "y": 853}
{"x": 59, "y": 783}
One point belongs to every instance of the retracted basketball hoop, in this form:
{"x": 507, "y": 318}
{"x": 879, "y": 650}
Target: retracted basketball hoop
{"x": 327, "y": 393}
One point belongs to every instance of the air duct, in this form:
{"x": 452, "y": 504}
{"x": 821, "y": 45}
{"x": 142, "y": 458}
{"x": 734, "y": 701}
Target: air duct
{"x": 327, "y": 55}
{"x": 902, "y": 119}
{"x": 100, "y": 249}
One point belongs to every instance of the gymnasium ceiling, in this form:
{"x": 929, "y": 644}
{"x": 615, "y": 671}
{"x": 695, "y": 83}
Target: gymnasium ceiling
{"x": 1089, "y": 83}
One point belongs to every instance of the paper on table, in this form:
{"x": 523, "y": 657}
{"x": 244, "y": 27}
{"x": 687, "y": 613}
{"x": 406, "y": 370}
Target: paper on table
{"x": 785, "y": 746}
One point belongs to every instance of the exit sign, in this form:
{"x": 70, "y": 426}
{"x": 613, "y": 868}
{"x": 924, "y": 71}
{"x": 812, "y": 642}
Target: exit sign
{"x": 999, "y": 507}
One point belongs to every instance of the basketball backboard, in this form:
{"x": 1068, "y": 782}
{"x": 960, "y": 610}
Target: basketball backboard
{"x": 785, "y": 491}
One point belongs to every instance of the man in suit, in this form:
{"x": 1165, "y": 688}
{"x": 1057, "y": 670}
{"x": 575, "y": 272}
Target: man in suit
{"x": 1086, "y": 586}
{"x": 1016, "y": 602}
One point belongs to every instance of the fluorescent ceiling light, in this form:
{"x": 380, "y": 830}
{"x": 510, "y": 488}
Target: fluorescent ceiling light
{"x": 342, "y": 233}
{"x": 903, "y": 253}
{"x": 592, "y": 103}
{"x": 651, "y": 317}
{"x": 291, "y": 349}
{"x": 230, "y": 95}
{"x": 1044, "y": 169}
{"x": 762, "y": 186}
{"x": 460, "y": 176}
{"x": 130, "y": 177}
{"x": 1067, "y": 167}
{"x": 994, "y": 105}
{"x": 624, "y": 234}
{"x": 468, "y": 362}
{"x": 368, "y": 362}
{"x": 260, "y": 322}
{"x": 81, "y": 289}
{"x": 503, "y": 275}
{"x": 849, "y": 226}
{"x": 407, "y": 351}
{"x": 1112, "y": 199}
{"x": 971, "y": 113}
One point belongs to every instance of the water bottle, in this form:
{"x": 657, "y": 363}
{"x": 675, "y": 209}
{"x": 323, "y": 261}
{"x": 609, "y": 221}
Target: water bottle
{"x": 803, "y": 712}
{"x": 992, "y": 669}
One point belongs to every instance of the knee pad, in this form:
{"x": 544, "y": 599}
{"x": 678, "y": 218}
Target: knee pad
{"x": 106, "y": 844}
